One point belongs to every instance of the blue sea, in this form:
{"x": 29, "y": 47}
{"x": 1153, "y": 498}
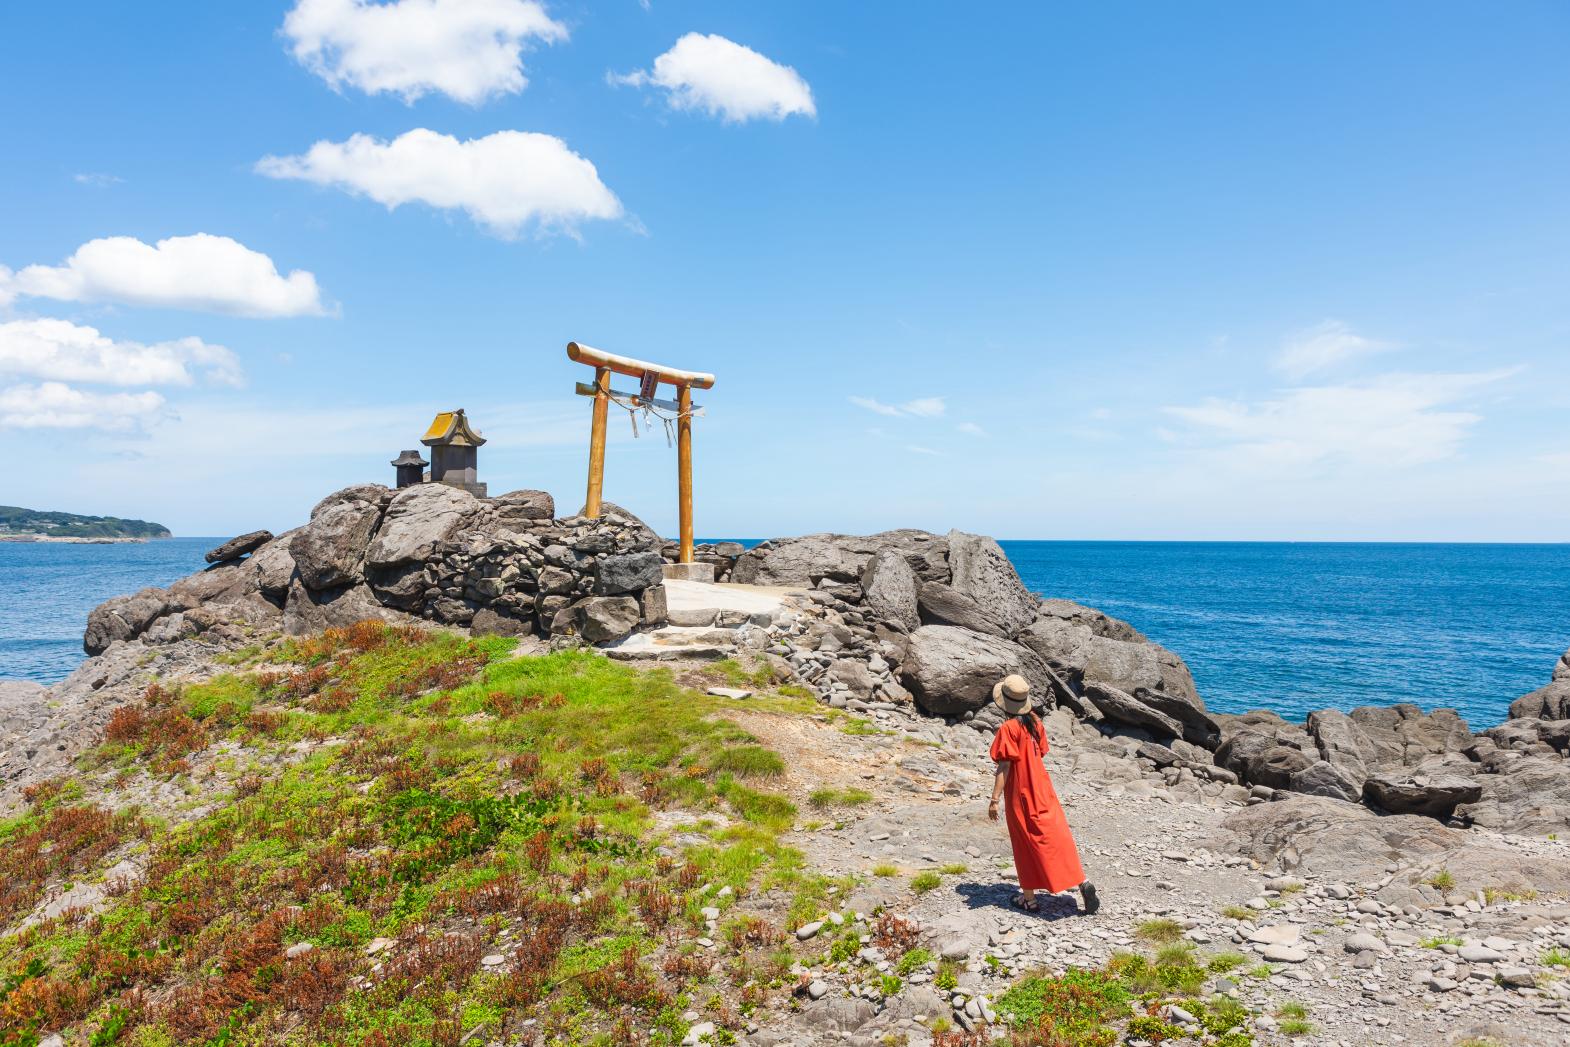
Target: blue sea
{"x": 1283, "y": 626}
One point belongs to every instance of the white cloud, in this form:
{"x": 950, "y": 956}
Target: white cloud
{"x": 55, "y": 405}
{"x": 725, "y": 79}
{"x": 926, "y": 407}
{"x": 923, "y": 407}
{"x": 971, "y": 429}
{"x": 60, "y": 350}
{"x": 1329, "y": 343}
{"x": 875, "y": 406}
{"x": 504, "y": 181}
{"x": 915, "y": 449}
{"x": 468, "y": 50}
{"x": 97, "y": 180}
{"x": 210, "y": 273}
{"x": 1395, "y": 420}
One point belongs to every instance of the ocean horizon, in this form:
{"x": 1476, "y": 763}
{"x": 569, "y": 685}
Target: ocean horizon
{"x": 1287, "y": 626}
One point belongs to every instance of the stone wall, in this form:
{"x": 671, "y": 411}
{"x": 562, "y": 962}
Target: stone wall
{"x": 426, "y": 553}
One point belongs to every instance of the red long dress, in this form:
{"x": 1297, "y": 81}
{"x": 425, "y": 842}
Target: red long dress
{"x": 1044, "y": 851}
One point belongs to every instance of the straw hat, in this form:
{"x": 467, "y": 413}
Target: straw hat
{"x": 1012, "y": 694}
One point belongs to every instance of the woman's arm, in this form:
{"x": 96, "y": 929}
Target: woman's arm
{"x": 998, "y": 782}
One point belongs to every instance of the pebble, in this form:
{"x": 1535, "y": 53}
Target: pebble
{"x": 808, "y": 930}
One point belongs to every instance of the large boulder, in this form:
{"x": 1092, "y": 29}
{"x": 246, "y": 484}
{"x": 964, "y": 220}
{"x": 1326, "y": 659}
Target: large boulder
{"x": 952, "y": 671}
{"x": 808, "y": 560}
{"x": 1545, "y": 703}
{"x": 1276, "y": 765}
{"x": 418, "y": 519}
{"x": 889, "y": 588}
{"x": 629, "y": 573}
{"x": 1524, "y": 794}
{"x": 123, "y": 618}
{"x": 940, "y": 604}
{"x": 1402, "y": 735}
{"x": 1319, "y": 837}
{"x": 979, "y": 569}
{"x": 1341, "y": 742}
{"x": 1434, "y": 795}
{"x": 1199, "y": 727}
{"x": 1126, "y": 709}
{"x": 1097, "y": 623}
{"x": 1322, "y": 778}
{"x": 599, "y": 619}
{"x": 329, "y": 552}
{"x": 235, "y": 548}
{"x": 273, "y": 565}
{"x": 1241, "y": 747}
{"x": 516, "y": 507}
{"x": 309, "y": 611}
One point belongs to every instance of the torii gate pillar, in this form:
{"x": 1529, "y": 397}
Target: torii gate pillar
{"x": 650, "y": 375}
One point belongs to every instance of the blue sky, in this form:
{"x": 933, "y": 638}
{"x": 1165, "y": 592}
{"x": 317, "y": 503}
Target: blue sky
{"x": 1225, "y": 270}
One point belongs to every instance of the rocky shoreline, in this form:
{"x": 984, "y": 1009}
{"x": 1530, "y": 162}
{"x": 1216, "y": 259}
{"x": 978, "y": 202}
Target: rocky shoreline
{"x": 901, "y": 617}
{"x": 1396, "y": 869}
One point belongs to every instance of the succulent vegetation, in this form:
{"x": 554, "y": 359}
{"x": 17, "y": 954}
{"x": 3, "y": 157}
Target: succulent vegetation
{"x": 405, "y": 837}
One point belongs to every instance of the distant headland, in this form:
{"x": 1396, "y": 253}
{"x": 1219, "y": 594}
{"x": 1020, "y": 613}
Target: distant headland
{"x": 33, "y": 525}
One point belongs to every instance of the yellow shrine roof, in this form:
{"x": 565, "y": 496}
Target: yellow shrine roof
{"x": 452, "y": 429}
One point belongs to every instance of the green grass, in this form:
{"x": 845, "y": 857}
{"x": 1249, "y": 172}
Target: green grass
{"x": 1238, "y": 912}
{"x": 1224, "y": 962}
{"x": 1434, "y": 943}
{"x": 954, "y": 869}
{"x": 826, "y": 797}
{"x": 925, "y": 881}
{"x": 884, "y": 869}
{"x": 1296, "y": 1027}
{"x": 749, "y": 761}
{"x": 1555, "y": 958}
{"x": 1509, "y": 894}
{"x": 1079, "y": 1007}
{"x": 1442, "y": 880}
{"x": 1160, "y": 931}
{"x": 912, "y": 961}
{"x": 431, "y": 783}
{"x": 1292, "y": 1009}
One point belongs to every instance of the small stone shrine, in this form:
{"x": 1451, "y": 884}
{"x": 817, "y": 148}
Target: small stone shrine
{"x": 411, "y": 468}
{"x": 454, "y": 452}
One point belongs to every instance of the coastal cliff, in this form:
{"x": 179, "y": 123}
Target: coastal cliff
{"x": 464, "y": 766}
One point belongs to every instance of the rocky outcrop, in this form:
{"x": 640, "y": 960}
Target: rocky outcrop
{"x": 235, "y": 548}
{"x": 951, "y": 671}
{"x": 1436, "y": 795}
{"x": 836, "y": 561}
{"x": 889, "y": 589}
{"x": 423, "y": 553}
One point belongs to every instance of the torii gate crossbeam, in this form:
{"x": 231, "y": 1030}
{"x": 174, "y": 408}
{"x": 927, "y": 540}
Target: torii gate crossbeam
{"x": 650, "y": 375}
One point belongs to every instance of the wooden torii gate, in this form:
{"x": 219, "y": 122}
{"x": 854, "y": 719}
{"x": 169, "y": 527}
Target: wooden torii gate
{"x": 649, "y": 376}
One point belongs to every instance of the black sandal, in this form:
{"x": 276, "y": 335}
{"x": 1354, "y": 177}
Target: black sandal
{"x": 1087, "y": 891}
{"x": 1026, "y": 904}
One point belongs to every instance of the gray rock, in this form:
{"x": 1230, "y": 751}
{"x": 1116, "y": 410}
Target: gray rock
{"x": 629, "y": 573}
{"x": 952, "y": 671}
{"x": 808, "y": 560}
{"x": 1433, "y": 795}
{"x": 838, "y": 1015}
{"x": 889, "y": 588}
{"x": 235, "y": 548}
{"x": 312, "y": 610}
{"x": 273, "y": 565}
{"x": 1124, "y": 708}
{"x": 942, "y": 604}
{"x": 1184, "y": 706}
{"x": 1545, "y": 703}
{"x": 603, "y": 619}
{"x": 1095, "y": 622}
{"x": 1275, "y": 766}
{"x": 654, "y": 606}
{"x": 418, "y": 519}
{"x": 1341, "y": 742}
{"x": 329, "y": 552}
{"x": 980, "y": 570}
{"x": 123, "y": 618}
{"x": 1322, "y": 778}
{"x": 518, "y": 506}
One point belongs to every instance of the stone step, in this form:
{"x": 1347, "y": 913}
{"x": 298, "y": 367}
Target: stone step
{"x": 675, "y": 641}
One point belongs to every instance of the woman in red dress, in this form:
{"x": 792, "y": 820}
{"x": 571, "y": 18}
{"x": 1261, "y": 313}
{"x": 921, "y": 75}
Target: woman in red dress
{"x": 1044, "y": 853}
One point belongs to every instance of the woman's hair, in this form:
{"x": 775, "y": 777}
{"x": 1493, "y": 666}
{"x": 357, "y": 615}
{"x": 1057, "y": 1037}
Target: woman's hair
{"x": 1032, "y": 724}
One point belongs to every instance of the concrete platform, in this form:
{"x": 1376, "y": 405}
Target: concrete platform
{"x": 684, "y": 595}
{"x": 689, "y": 572}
